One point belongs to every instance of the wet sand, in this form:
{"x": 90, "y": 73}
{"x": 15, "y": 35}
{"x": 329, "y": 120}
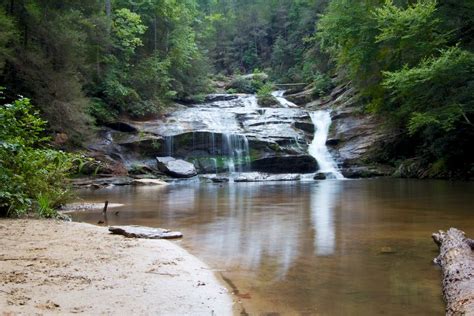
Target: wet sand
{"x": 55, "y": 267}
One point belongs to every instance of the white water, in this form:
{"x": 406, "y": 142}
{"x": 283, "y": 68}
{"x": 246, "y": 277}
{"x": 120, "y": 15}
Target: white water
{"x": 318, "y": 149}
{"x": 283, "y": 102}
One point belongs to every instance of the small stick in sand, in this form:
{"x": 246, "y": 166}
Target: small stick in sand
{"x": 105, "y": 207}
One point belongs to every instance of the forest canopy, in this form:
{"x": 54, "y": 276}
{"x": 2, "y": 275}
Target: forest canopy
{"x": 85, "y": 63}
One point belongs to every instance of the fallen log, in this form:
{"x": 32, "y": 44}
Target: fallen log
{"x": 456, "y": 259}
{"x": 133, "y": 231}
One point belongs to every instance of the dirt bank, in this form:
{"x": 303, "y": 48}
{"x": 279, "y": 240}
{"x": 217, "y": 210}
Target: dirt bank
{"x": 53, "y": 267}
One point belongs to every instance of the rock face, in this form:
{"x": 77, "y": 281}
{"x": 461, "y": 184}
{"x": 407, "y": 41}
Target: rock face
{"x": 301, "y": 98}
{"x": 231, "y": 133}
{"x": 176, "y": 167}
{"x": 288, "y": 164}
{"x": 354, "y": 136}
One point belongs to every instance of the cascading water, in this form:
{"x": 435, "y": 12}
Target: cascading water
{"x": 169, "y": 143}
{"x": 318, "y": 149}
{"x": 232, "y": 149}
{"x": 236, "y": 149}
{"x": 283, "y": 102}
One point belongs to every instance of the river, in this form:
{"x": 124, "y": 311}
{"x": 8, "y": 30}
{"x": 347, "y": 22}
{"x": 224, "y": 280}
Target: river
{"x": 350, "y": 247}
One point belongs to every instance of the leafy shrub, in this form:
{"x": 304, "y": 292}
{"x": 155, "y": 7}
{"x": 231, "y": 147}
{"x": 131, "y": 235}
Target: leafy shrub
{"x": 249, "y": 83}
{"x": 102, "y": 113}
{"x": 322, "y": 84}
{"x": 265, "y": 97}
{"x": 242, "y": 85}
{"x": 32, "y": 176}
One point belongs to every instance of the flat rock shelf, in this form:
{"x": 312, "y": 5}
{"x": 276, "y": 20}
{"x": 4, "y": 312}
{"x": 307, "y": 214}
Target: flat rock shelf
{"x": 133, "y": 231}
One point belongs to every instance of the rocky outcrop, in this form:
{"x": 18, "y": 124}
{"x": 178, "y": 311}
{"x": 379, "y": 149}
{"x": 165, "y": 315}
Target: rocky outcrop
{"x": 301, "y": 98}
{"x": 176, "y": 167}
{"x": 354, "y": 137}
{"x": 233, "y": 133}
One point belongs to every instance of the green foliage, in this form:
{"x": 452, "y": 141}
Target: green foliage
{"x": 437, "y": 92}
{"x": 127, "y": 28}
{"x": 74, "y": 60}
{"x": 413, "y": 64}
{"x": 411, "y": 33}
{"x": 101, "y": 112}
{"x": 264, "y": 95}
{"x": 264, "y": 34}
{"x": 32, "y": 176}
{"x": 322, "y": 84}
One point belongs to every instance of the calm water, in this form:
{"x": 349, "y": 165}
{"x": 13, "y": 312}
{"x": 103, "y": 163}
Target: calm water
{"x": 326, "y": 248}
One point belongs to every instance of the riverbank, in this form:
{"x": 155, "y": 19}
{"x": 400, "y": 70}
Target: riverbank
{"x": 58, "y": 267}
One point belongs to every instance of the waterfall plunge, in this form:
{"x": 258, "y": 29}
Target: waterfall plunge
{"x": 318, "y": 149}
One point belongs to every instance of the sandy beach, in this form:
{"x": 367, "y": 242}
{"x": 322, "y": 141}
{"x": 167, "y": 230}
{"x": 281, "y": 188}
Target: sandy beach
{"x": 56, "y": 267}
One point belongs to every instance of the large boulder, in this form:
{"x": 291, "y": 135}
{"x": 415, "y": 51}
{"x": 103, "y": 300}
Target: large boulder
{"x": 176, "y": 168}
{"x": 301, "y": 98}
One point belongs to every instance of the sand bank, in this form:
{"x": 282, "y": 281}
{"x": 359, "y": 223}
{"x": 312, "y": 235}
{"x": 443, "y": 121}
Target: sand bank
{"x": 55, "y": 267}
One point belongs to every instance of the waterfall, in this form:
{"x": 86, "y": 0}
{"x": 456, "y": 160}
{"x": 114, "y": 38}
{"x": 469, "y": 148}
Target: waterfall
{"x": 318, "y": 149}
{"x": 236, "y": 149}
{"x": 283, "y": 102}
{"x": 169, "y": 144}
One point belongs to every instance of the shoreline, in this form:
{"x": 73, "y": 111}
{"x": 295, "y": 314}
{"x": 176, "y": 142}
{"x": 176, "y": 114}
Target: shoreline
{"x": 57, "y": 267}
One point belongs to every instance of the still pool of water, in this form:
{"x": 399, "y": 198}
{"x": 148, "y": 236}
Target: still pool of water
{"x": 359, "y": 247}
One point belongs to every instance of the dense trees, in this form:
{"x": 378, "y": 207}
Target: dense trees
{"x": 99, "y": 57}
{"x": 413, "y": 61}
{"x": 266, "y": 34}
{"x": 410, "y": 60}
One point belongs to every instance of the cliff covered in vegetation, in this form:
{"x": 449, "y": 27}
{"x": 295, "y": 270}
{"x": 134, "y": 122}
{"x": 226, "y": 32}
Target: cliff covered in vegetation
{"x": 410, "y": 64}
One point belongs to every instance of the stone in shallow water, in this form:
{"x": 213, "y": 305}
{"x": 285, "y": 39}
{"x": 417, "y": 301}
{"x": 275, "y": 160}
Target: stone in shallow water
{"x": 320, "y": 176}
{"x": 176, "y": 167}
{"x": 133, "y": 231}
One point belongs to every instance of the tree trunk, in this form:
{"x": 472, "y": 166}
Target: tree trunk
{"x": 108, "y": 8}
{"x": 456, "y": 258}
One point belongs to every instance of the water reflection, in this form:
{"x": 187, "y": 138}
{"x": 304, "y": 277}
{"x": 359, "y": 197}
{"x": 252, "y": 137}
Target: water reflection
{"x": 323, "y": 198}
{"x": 257, "y": 233}
{"x": 298, "y": 248}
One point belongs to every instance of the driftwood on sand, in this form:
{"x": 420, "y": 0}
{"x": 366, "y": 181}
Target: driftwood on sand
{"x": 456, "y": 259}
{"x": 144, "y": 232}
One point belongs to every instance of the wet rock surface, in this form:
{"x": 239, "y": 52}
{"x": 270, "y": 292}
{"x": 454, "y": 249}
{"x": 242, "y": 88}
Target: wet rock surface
{"x": 354, "y": 136}
{"x": 232, "y": 133}
{"x": 227, "y": 133}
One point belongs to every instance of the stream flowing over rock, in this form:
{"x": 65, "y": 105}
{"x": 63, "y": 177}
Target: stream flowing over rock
{"x": 231, "y": 134}
{"x": 354, "y": 136}
{"x": 228, "y": 134}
